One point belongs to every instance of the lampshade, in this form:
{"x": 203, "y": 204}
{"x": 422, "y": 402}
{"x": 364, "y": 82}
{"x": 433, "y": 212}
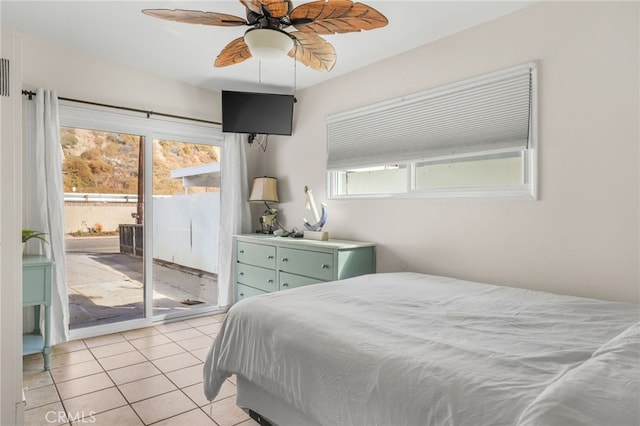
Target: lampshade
{"x": 267, "y": 44}
{"x": 264, "y": 189}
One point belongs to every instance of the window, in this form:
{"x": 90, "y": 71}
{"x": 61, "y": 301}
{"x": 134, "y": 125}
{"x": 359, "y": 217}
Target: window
{"x": 471, "y": 138}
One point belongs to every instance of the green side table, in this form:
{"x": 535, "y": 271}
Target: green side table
{"x": 36, "y": 291}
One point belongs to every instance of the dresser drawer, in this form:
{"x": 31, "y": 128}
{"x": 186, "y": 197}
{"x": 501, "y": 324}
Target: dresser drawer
{"x": 308, "y": 263}
{"x": 246, "y": 291}
{"x": 260, "y": 278}
{"x": 292, "y": 281}
{"x": 257, "y": 254}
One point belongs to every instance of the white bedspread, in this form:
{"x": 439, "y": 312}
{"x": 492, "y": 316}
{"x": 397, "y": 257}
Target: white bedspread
{"x": 413, "y": 349}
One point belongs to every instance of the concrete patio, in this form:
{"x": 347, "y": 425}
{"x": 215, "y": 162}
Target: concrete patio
{"x": 106, "y": 286}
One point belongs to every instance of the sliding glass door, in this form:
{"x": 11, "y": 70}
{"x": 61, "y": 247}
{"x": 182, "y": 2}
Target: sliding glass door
{"x": 142, "y": 215}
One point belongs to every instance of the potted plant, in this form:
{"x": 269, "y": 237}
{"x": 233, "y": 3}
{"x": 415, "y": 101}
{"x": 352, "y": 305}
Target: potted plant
{"x": 28, "y": 234}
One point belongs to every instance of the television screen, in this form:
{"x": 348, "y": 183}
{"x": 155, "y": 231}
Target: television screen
{"x": 260, "y": 113}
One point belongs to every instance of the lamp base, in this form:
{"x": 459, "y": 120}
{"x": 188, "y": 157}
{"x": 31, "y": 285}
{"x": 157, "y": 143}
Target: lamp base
{"x": 316, "y": 235}
{"x": 268, "y": 220}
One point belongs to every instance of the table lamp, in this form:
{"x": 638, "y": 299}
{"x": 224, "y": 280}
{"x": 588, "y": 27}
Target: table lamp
{"x": 265, "y": 189}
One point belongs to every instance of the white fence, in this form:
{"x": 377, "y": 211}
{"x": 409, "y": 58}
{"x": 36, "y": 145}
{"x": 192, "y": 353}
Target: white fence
{"x": 186, "y": 229}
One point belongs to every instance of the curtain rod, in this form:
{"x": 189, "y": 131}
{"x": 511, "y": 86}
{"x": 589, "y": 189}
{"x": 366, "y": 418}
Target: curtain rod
{"x": 31, "y": 94}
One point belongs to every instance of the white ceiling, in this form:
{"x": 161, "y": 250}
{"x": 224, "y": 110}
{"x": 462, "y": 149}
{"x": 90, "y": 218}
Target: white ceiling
{"x": 118, "y": 31}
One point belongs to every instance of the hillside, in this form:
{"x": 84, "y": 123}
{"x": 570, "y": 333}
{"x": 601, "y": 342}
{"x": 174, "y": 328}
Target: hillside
{"x": 103, "y": 162}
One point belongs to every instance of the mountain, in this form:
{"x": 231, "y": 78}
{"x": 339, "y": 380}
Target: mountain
{"x": 107, "y": 163}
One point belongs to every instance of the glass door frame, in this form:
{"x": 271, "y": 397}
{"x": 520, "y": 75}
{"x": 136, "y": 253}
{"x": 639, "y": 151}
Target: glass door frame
{"x": 150, "y": 129}
{"x": 148, "y": 236}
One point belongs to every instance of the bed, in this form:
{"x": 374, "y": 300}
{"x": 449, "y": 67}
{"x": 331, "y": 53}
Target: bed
{"x": 415, "y": 349}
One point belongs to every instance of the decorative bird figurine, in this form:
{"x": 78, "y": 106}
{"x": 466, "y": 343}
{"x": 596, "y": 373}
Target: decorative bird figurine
{"x": 310, "y": 204}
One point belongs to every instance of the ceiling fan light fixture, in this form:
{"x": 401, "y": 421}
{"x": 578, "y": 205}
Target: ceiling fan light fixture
{"x": 267, "y": 19}
{"x": 268, "y": 44}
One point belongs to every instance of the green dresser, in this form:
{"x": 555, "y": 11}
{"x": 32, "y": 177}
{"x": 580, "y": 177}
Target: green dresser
{"x": 36, "y": 291}
{"x": 265, "y": 263}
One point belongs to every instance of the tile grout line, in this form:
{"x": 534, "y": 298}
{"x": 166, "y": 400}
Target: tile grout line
{"x": 175, "y": 384}
{"x": 130, "y": 404}
{"x": 109, "y": 377}
{"x": 163, "y": 373}
{"x": 147, "y": 359}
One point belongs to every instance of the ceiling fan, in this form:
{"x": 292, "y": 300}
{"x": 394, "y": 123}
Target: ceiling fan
{"x": 271, "y": 33}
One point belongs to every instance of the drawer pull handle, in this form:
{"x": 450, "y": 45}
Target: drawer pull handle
{"x": 241, "y": 294}
{"x": 284, "y": 259}
{"x": 269, "y": 257}
{"x": 241, "y": 274}
{"x": 285, "y": 284}
{"x": 324, "y": 266}
{"x": 270, "y": 281}
{"x": 241, "y": 251}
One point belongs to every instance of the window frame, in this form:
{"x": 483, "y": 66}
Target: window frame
{"x": 527, "y": 190}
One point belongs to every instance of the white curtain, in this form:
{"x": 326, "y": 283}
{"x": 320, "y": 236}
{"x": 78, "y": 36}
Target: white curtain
{"x": 235, "y": 216}
{"x": 44, "y": 203}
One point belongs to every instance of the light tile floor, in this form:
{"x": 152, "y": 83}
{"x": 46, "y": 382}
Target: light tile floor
{"x": 149, "y": 376}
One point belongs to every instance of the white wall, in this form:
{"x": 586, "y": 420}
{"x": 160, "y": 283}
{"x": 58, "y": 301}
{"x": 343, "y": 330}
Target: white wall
{"x": 11, "y": 405}
{"x": 582, "y": 236}
{"x": 77, "y": 75}
{"x": 81, "y": 216}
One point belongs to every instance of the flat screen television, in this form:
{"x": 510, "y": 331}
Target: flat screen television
{"x": 257, "y": 113}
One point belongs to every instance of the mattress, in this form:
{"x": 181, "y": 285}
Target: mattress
{"x": 408, "y": 349}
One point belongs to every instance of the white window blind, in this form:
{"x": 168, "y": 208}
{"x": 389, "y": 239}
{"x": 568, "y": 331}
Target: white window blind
{"x": 489, "y": 112}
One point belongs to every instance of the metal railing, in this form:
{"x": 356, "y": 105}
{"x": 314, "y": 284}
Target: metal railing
{"x": 131, "y": 239}
{"x": 86, "y": 197}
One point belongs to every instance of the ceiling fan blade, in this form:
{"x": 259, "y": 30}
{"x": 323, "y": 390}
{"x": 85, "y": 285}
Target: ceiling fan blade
{"x": 233, "y": 53}
{"x": 277, "y": 8}
{"x": 313, "y": 51}
{"x": 336, "y": 16}
{"x": 252, "y": 5}
{"x": 196, "y": 17}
